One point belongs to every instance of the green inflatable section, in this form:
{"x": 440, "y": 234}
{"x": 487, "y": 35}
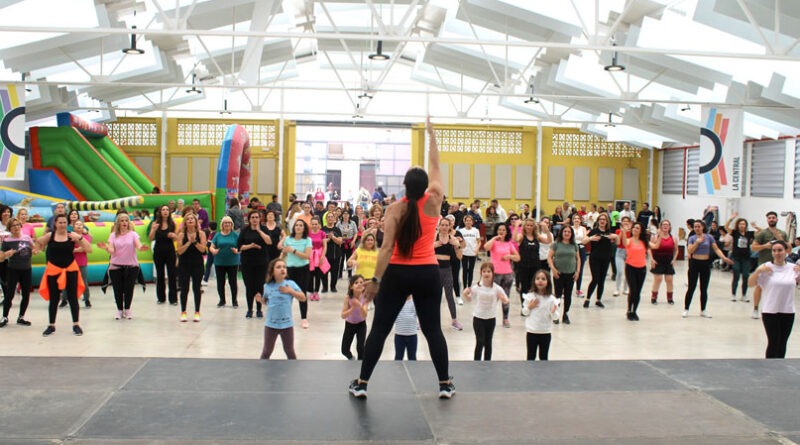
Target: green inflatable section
{"x": 121, "y": 164}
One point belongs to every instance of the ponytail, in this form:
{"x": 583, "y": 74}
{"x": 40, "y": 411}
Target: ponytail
{"x": 410, "y": 228}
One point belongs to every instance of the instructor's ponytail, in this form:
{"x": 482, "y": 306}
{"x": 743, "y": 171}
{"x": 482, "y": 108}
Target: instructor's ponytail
{"x": 416, "y": 182}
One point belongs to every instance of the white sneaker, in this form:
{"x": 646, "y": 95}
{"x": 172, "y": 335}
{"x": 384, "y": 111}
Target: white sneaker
{"x": 460, "y": 301}
{"x": 705, "y": 314}
{"x": 733, "y": 298}
{"x": 204, "y": 284}
{"x": 745, "y": 299}
{"x": 685, "y": 314}
{"x": 616, "y": 293}
{"x": 754, "y": 315}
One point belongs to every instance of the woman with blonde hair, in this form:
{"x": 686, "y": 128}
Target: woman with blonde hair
{"x": 226, "y": 259}
{"x": 191, "y": 246}
{"x": 123, "y": 268}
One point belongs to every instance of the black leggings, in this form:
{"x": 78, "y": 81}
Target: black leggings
{"x": 254, "y": 276}
{"x": 403, "y": 343}
{"x": 540, "y": 342}
{"x": 333, "y": 274}
{"x": 193, "y": 272}
{"x": 525, "y": 279}
{"x": 446, "y": 277}
{"x": 23, "y": 278}
{"x": 484, "y": 330}
{"x": 300, "y": 276}
{"x": 467, "y": 270}
{"x": 123, "y": 280}
{"x": 357, "y": 330}
{"x": 779, "y": 328}
{"x": 317, "y": 278}
{"x": 563, "y": 285}
{"x": 230, "y": 271}
{"x": 635, "y": 277}
{"x": 598, "y": 266}
{"x": 455, "y": 268}
{"x": 698, "y": 269}
{"x": 424, "y": 285}
{"x": 166, "y": 260}
{"x": 347, "y": 252}
{"x": 72, "y": 296}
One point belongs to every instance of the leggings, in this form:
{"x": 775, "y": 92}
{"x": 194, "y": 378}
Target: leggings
{"x": 403, "y": 343}
{"x": 333, "y": 273}
{"x": 599, "y": 268}
{"x": 778, "y": 327}
{"x": 540, "y": 342}
{"x": 166, "y": 275}
{"x": 357, "y": 330}
{"x": 446, "y": 277}
{"x": 525, "y": 279}
{"x": 505, "y": 280}
{"x": 635, "y": 277}
{"x": 619, "y": 271}
{"x": 563, "y": 285}
{"x": 698, "y": 269}
{"x": 484, "y": 330}
{"x": 300, "y": 276}
{"x": 193, "y": 272}
{"x": 741, "y": 267}
{"x": 230, "y": 271}
{"x": 123, "y": 279}
{"x": 72, "y": 296}
{"x": 424, "y": 285}
{"x": 254, "y": 276}
{"x": 85, "y": 277}
{"x": 209, "y": 263}
{"x": 347, "y": 252}
{"x": 582, "y": 253}
{"x": 317, "y": 278}
{"x": 467, "y": 270}
{"x": 612, "y": 259}
{"x": 23, "y": 278}
{"x": 287, "y": 338}
{"x": 455, "y": 268}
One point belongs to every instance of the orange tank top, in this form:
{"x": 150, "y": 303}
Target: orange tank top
{"x": 422, "y": 252}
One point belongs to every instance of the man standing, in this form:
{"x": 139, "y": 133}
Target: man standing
{"x": 60, "y": 209}
{"x": 763, "y": 245}
{"x": 626, "y": 211}
{"x": 644, "y": 215}
{"x": 275, "y": 206}
{"x": 202, "y": 215}
{"x": 501, "y": 212}
{"x": 475, "y": 213}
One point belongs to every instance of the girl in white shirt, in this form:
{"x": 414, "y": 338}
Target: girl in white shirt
{"x": 472, "y": 241}
{"x": 484, "y": 314}
{"x": 541, "y": 308}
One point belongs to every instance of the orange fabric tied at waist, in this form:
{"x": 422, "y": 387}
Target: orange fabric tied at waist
{"x": 52, "y": 270}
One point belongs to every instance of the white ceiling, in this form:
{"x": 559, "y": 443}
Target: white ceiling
{"x": 467, "y": 61}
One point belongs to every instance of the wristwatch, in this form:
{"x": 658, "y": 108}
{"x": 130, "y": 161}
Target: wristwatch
{"x": 376, "y": 280}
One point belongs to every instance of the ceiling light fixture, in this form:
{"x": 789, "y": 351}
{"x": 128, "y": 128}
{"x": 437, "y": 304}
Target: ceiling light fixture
{"x": 194, "y": 89}
{"x": 357, "y": 114}
{"x": 531, "y": 100}
{"x": 610, "y": 123}
{"x": 379, "y": 56}
{"x": 225, "y": 107}
{"x": 133, "y": 50}
{"x": 365, "y": 95}
{"x": 615, "y": 66}
{"x": 24, "y": 75}
{"x": 686, "y": 107}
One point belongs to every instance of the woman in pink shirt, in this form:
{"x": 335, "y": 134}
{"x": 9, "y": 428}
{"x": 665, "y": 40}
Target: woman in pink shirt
{"x": 81, "y": 258}
{"x": 27, "y": 228}
{"x": 503, "y": 251}
{"x": 123, "y": 268}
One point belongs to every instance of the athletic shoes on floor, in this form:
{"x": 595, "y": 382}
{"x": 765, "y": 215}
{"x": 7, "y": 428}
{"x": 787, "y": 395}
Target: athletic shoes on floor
{"x": 685, "y": 314}
{"x": 754, "y": 315}
{"x": 23, "y": 322}
{"x": 184, "y": 317}
{"x": 3, "y": 322}
{"x": 600, "y": 304}
{"x": 586, "y": 303}
{"x": 358, "y": 389}
{"x": 460, "y": 301}
{"x": 128, "y": 314}
{"x": 447, "y": 390}
{"x": 456, "y": 325}
{"x": 77, "y": 330}
{"x": 705, "y": 314}
{"x": 196, "y": 317}
{"x": 48, "y": 331}
{"x": 118, "y": 315}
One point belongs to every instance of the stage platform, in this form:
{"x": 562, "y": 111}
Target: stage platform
{"x": 139, "y": 401}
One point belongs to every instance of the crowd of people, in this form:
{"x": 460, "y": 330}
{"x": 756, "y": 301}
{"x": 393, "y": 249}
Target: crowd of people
{"x": 306, "y": 250}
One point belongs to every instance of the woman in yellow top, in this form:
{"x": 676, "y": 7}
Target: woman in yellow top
{"x": 365, "y": 257}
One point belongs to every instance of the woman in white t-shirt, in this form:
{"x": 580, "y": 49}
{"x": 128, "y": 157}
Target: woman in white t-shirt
{"x": 484, "y": 315}
{"x": 544, "y": 245}
{"x": 472, "y": 241}
{"x": 541, "y": 308}
{"x": 580, "y": 235}
{"x": 777, "y": 280}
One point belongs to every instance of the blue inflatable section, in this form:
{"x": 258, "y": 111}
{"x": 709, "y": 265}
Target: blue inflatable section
{"x": 46, "y": 182}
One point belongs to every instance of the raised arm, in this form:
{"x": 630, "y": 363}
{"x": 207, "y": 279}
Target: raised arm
{"x": 434, "y": 172}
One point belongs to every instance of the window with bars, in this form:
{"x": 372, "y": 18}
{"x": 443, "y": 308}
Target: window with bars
{"x": 582, "y": 144}
{"x": 767, "y": 169}
{"x": 692, "y": 170}
{"x": 672, "y": 172}
{"x": 797, "y": 168}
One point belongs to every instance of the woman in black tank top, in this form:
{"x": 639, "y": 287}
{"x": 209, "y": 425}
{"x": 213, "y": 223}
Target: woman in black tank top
{"x": 163, "y": 233}
{"x": 191, "y": 245}
{"x": 62, "y": 272}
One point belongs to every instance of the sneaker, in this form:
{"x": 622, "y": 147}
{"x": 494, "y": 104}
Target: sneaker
{"x": 235, "y": 305}
{"x": 456, "y": 325}
{"x": 586, "y": 304}
{"x": 248, "y": 314}
{"x": 616, "y": 293}
{"x": 160, "y": 301}
{"x": 685, "y": 313}
{"x": 705, "y": 314}
{"x": 447, "y": 390}
{"x": 196, "y": 317}
{"x": 613, "y": 278}
{"x": 653, "y": 301}
{"x": 733, "y": 298}
{"x": 565, "y": 319}
{"x": 23, "y": 322}
{"x": 221, "y": 304}
{"x": 118, "y": 315}
{"x": 556, "y": 321}
{"x": 634, "y": 316}
{"x": 184, "y": 317}
{"x": 600, "y": 304}
{"x": 63, "y": 303}
{"x": 304, "y": 323}
{"x": 48, "y": 331}
{"x": 754, "y": 315}
{"x": 324, "y": 290}
{"x": 626, "y": 293}
{"x": 87, "y": 304}
{"x": 173, "y": 303}
{"x": 506, "y": 323}
{"x": 3, "y": 322}
{"x": 77, "y": 330}
{"x": 671, "y": 301}
{"x": 128, "y": 314}
{"x": 460, "y": 301}
{"x": 333, "y": 289}
{"x": 204, "y": 283}
{"x": 259, "y": 314}
{"x": 358, "y": 389}
{"x": 579, "y": 293}
{"x": 745, "y": 299}
{"x": 629, "y": 316}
